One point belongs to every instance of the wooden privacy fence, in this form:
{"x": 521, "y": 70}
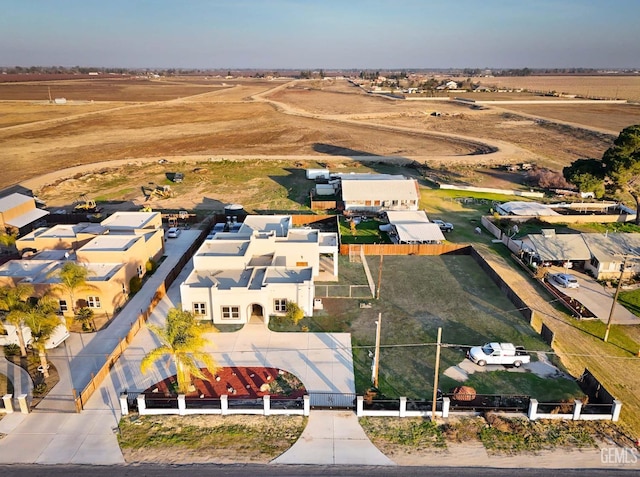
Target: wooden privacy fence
{"x": 408, "y": 249}
{"x": 123, "y": 344}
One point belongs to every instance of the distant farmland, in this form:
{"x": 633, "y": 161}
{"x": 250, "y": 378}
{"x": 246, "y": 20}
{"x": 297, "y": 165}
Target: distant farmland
{"x": 610, "y": 87}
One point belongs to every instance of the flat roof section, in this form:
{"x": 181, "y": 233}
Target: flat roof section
{"x": 279, "y": 224}
{"x": 287, "y": 275}
{"x": 102, "y": 272}
{"x": 131, "y": 220}
{"x": 38, "y": 271}
{"x": 110, "y": 243}
{"x": 223, "y": 248}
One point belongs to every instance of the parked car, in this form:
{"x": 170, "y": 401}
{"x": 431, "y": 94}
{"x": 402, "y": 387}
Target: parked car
{"x": 444, "y": 226}
{"x": 178, "y": 177}
{"x": 498, "y": 353}
{"x": 566, "y": 280}
{"x": 173, "y": 232}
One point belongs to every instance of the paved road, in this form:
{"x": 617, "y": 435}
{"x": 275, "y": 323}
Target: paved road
{"x": 306, "y": 470}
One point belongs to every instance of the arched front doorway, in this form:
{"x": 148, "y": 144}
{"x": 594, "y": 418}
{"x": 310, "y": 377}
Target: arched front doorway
{"x": 256, "y": 313}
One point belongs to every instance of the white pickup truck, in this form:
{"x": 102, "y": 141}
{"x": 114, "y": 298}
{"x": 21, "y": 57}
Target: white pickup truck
{"x": 499, "y": 353}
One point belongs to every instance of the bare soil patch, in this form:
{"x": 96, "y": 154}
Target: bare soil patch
{"x": 556, "y": 145}
{"x": 613, "y": 117}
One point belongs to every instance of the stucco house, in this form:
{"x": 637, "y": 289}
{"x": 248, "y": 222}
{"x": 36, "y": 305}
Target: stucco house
{"x": 376, "y": 192}
{"x": 113, "y": 252}
{"x": 18, "y": 213}
{"x": 255, "y": 271}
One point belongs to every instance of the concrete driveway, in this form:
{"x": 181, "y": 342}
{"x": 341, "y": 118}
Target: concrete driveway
{"x": 596, "y": 298}
{"x": 322, "y": 361}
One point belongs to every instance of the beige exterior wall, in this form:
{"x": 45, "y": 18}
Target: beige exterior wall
{"x": 109, "y": 293}
{"x": 214, "y": 299}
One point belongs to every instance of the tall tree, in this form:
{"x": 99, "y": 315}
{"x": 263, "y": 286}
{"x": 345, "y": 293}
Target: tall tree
{"x": 622, "y": 164}
{"x": 182, "y": 341}
{"x": 13, "y": 301}
{"x": 41, "y": 317}
{"x": 587, "y": 175}
{"x": 73, "y": 278}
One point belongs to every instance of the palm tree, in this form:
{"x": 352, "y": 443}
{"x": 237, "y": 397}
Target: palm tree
{"x": 41, "y": 317}
{"x": 182, "y": 341}
{"x": 13, "y": 300}
{"x": 73, "y": 277}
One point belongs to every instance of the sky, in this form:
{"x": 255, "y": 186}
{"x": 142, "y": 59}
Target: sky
{"x": 314, "y": 34}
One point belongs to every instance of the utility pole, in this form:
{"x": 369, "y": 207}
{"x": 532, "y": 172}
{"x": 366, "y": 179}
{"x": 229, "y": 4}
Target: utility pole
{"x": 379, "y": 278}
{"x": 435, "y": 377}
{"x": 376, "y": 356}
{"x": 615, "y": 298}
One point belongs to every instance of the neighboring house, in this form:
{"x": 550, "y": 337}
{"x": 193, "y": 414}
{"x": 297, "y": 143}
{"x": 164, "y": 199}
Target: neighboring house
{"x": 18, "y": 213}
{"x": 257, "y": 270}
{"x": 376, "y": 192}
{"x": 607, "y": 254}
{"x": 601, "y": 255}
{"x": 114, "y": 252}
{"x": 551, "y": 247}
{"x": 413, "y": 227}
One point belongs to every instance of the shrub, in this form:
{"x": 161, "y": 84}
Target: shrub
{"x": 151, "y": 266}
{"x": 135, "y": 284}
{"x": 11, "y": 349}
{"x": 85, "y": 316}
{"x": 294, "y": 313}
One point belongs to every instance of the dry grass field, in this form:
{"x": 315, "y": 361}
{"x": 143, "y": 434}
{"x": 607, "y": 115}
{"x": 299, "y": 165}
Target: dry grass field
{"x": 185, "y": 116}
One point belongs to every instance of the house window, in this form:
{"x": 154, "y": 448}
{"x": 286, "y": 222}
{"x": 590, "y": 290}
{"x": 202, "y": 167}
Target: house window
{"x": 63, "y": 306}
{"x": 376, "y": 202}
{"x": 594, "y": 262}
{"x": 93, "y": 301}
{"x": 302, "y": 264}
{"x": 230, "y": 312}
{"x": 280, "y": 305}
{"x": 140, "y": 271}
{"x": 199, "y": 308}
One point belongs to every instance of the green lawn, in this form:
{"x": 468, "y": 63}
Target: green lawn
{"x": 366, "y": 231}
{"x": 418, "y": 295}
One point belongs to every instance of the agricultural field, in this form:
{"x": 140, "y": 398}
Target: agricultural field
{"x": 140, "y": 119}
{"x": 610, "y": 87}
